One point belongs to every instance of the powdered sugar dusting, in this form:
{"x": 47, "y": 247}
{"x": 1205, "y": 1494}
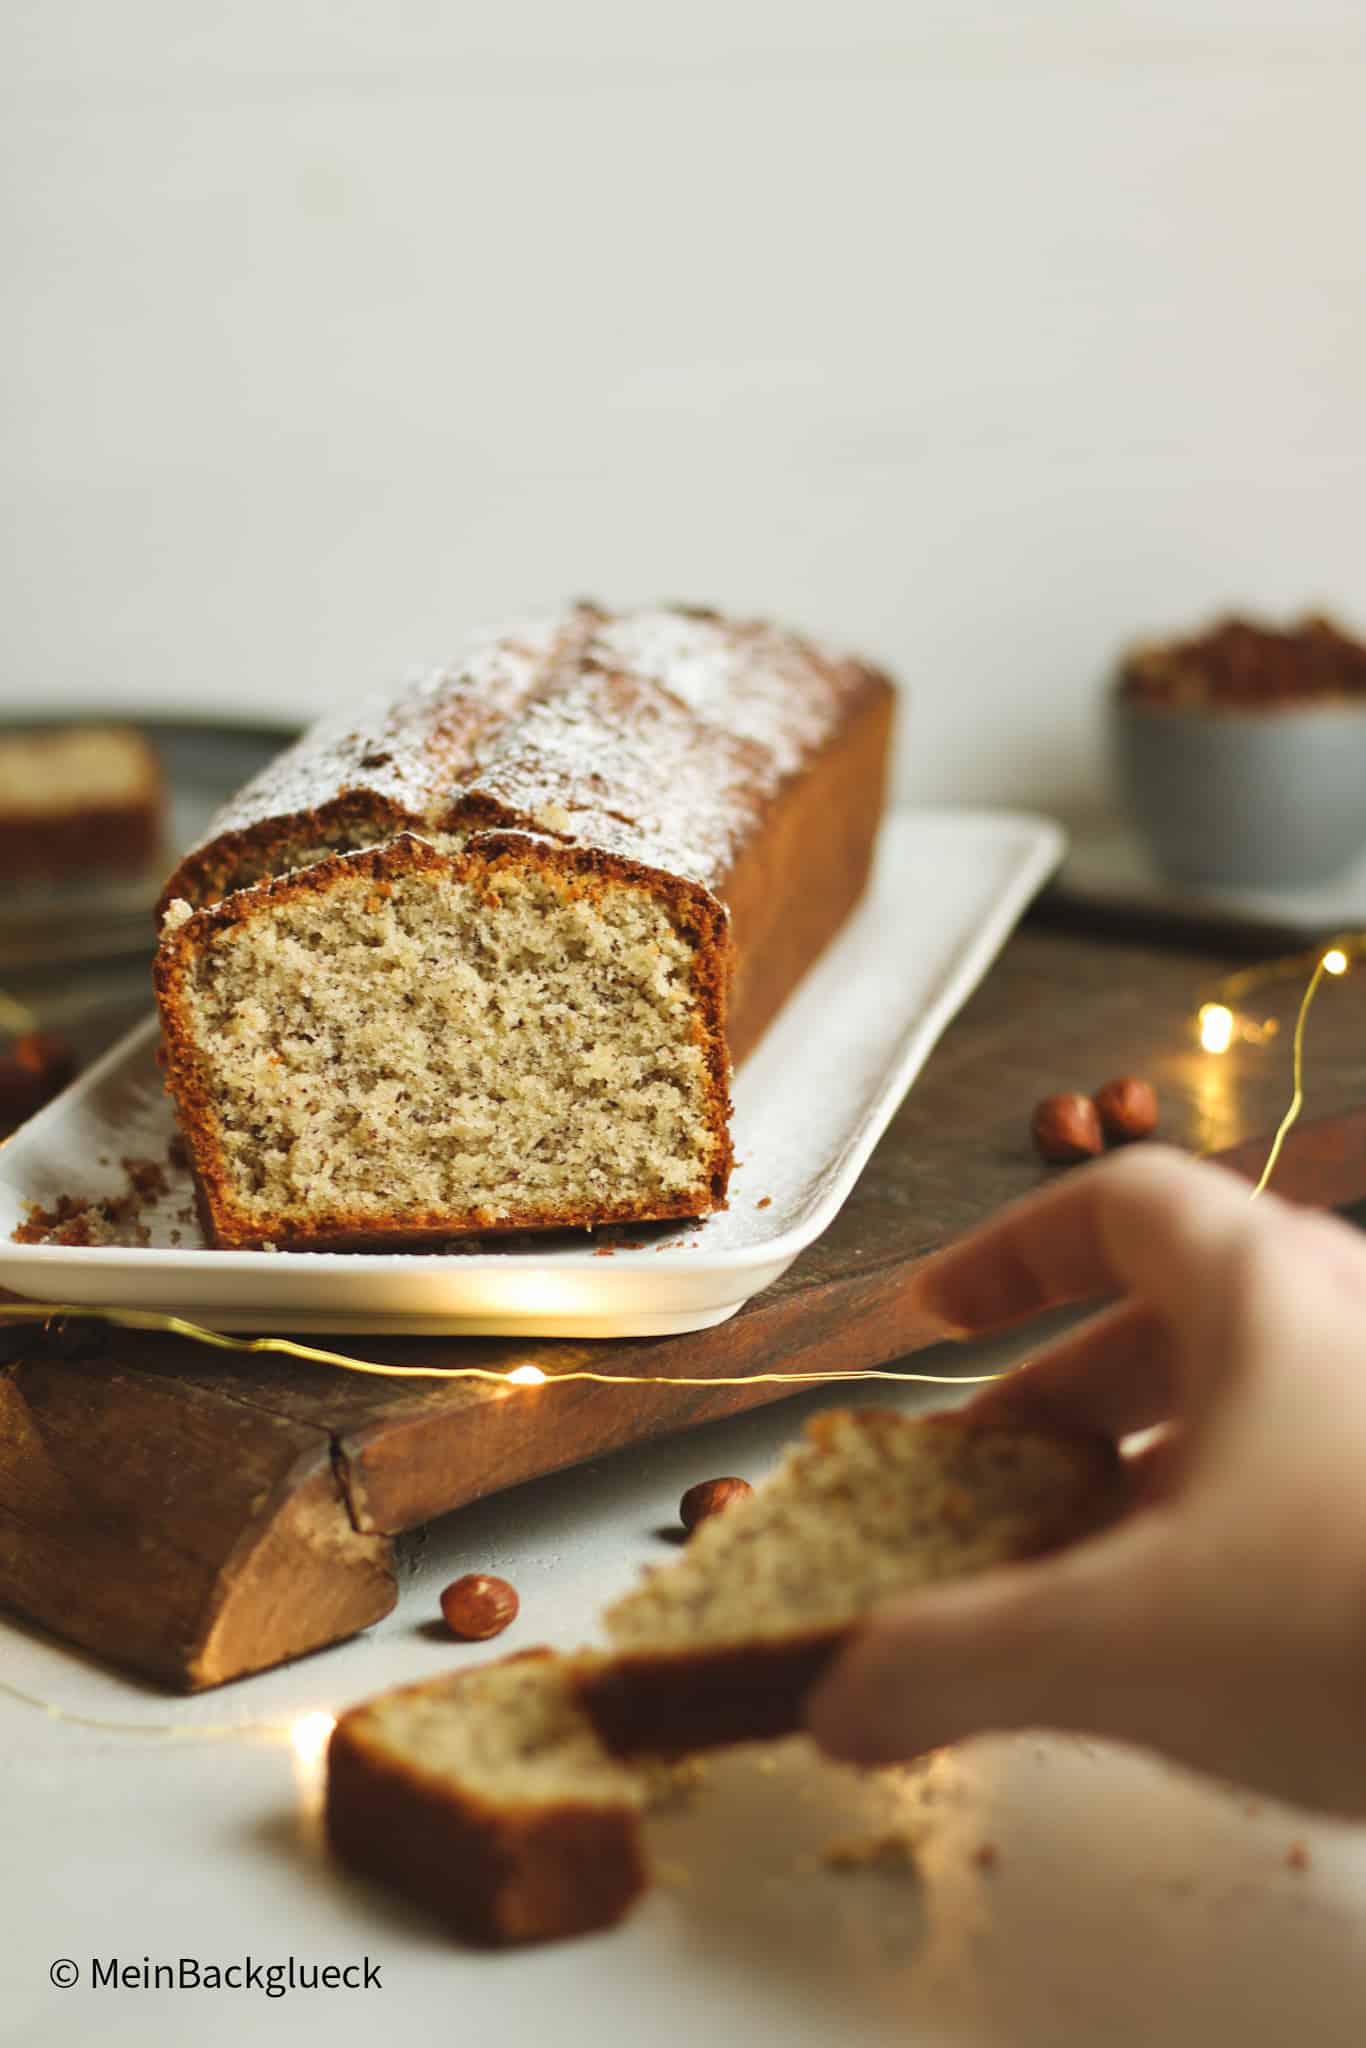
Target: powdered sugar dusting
{"x": 405, "y": 746}
{"x": 659, "y": 735}
{"x": 617, "y": 763}
{"x": 749, "y": 680}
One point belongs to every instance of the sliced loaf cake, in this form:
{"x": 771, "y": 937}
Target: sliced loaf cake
{"x": 477, "y": 954}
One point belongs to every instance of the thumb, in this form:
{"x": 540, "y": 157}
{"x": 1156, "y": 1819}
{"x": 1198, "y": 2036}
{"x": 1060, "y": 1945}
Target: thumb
{"x": 1073, "y": 1641}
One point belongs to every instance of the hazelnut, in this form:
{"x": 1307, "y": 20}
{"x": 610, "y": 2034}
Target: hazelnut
{"x": 48, "y": 1057}
{"x": 710, "y": 1497}
{"x": 21, "y": 1092}
{"x": 478, "y": 1606}
{"x": 1127, "y": 1109}
{"x": 38, "y": 1066}
{"x": 1066, "y": 1128}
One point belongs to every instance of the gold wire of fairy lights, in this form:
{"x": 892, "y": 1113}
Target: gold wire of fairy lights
{"x": 306, "y": 1733}
{"x": 518, "y": 1375}
{"x": 1218, "y": 1022}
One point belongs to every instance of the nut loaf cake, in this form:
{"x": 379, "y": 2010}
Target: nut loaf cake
{"x": 471, "y": 958}
{"x": 488, "y": 1798}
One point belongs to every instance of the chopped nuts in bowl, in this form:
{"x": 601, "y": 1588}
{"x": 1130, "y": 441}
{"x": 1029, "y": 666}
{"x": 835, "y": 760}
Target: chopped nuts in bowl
{"x": 1241, "y": 752}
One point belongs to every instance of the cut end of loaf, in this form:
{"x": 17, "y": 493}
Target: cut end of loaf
{"x": 488, "y": 1799}
{"x": 510, "y": 1732}
{"x": 411, "y": 1043}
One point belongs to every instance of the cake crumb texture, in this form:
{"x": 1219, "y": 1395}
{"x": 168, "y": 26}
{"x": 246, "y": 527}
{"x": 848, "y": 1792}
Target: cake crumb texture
{"x": 409, "y": 1040}
{"x": 870, "y": 1505}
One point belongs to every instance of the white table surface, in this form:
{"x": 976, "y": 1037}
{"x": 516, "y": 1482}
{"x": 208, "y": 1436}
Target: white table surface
{"x": 1126, "y": 1903}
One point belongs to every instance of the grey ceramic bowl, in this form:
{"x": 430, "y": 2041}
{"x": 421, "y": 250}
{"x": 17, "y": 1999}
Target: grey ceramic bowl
{"x": 1264, "y": 799}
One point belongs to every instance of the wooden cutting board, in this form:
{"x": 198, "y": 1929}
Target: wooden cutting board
{"x": 194, "y": 1516}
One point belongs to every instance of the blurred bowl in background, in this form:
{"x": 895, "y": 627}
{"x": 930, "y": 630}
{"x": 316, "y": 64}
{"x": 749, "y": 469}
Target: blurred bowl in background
{"x": 1241, "y": 755}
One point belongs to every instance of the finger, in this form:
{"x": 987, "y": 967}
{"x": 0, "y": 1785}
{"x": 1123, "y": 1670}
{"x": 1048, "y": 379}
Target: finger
{"x": 1154, "y": 1471}
{"x": 1146, "y": 1222}
{"x": 1053, "y": 1644}
{"x": 1114, "y": 1375}
{"x": 1333, "y": 1249}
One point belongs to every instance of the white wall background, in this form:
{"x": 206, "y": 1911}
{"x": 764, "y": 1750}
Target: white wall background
{"x": 979, "y": 335}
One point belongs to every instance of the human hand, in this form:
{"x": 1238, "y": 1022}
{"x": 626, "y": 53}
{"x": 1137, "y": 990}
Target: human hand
{"x": 1222, "y": 1618}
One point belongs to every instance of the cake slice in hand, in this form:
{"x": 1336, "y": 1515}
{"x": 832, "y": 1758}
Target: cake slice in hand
{"x": 488, "y": 1798}
{"x": 724, "y": 1645}
{"x": 407, "y": 1044}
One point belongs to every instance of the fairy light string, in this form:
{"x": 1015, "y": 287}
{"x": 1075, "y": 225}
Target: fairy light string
{"x": 1334, "y": 961}
{"x": 301, "y": 1730}
{"x": 519, "y": 1375}
{"x": 1218, "y": 1022}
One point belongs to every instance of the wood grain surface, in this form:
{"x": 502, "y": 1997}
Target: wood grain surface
{"x": 194, "y": 1516}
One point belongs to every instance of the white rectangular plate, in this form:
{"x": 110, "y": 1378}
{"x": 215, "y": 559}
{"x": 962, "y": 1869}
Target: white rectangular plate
{"x": 810, "y": 1104}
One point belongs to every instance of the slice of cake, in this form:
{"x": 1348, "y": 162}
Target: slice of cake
{"x": 416, "y": 1043}
{"x": 501, "y": 1799}
{"x": 724, "y": 1645}
{"x": 77, "y": 800}
{"x": 488, "y": 1798}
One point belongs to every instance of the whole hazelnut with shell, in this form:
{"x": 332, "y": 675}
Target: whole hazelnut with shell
{"x": 710, "y": 1497}
{"x": 1127, "y": 1109}
{"x": 1066, "y": 1129}
{"x": 479, "y": 1606}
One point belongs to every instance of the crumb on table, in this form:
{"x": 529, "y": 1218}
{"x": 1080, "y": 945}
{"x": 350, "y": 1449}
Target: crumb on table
{"x": 894, "y": 1850}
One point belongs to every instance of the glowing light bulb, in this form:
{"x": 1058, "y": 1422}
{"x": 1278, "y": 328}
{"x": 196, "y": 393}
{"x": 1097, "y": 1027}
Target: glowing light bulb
{"x": 526, "y": 1375}
{"x": 1216, "y": 1027}
{"x": 310, "y": 1735}
{"x": 1335, "y": 960}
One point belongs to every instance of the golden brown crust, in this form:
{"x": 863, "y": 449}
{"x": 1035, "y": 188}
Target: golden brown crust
{"x": 495, "y": 1875}
{"x": 704, "y": 1699}
{"x": 698, "y": 1699}
{"x": 579, "y": 870}
{"x": 801, "y": 874}
{"x": 354, "y": 820}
